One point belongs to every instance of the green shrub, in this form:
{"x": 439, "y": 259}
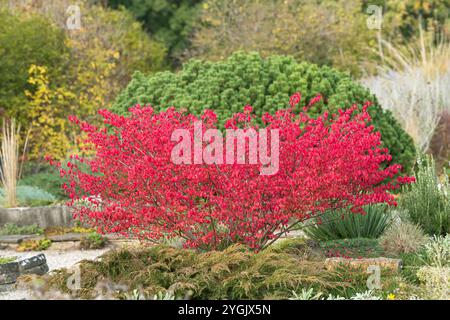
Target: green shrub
{"x": 25, "y": 40}
{"x": 4, "y": 260}
{"x": 428, "y": 200}
{"x": 169, "y": 21}
{"x": 235, "y": 273}
{"x": 34, "y": 245}
{"x": 436, "y": 282}
{"x": 266, "y": 84}
{"x": 344, "y": 224}
{"x": 13, "y": 229}
{"x": 31, "y": 196}
{"x": 48, "y": 181}
{"x": 296, "y": 245}
{"x": 436, "y": 253}
{"x": 93, "y": 241}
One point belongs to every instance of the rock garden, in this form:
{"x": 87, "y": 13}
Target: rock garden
{"x": 225, "y": 150}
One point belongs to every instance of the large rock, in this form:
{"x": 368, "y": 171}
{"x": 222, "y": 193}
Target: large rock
{"x": 32, "y": 262}
{"x": 9, "y": 272}
{"x": 44, "y": 217}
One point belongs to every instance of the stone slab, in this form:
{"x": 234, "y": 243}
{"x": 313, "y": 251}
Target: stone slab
{"x": 32, "y": 262}
{"x": 9, "y": 272}
{"x": 39, "y": 270}
{"x": 44, "y": 217}
{"x": 16, "y": 239}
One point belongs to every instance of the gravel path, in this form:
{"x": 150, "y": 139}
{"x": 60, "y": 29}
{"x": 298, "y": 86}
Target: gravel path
{"x": 55, "y": 260}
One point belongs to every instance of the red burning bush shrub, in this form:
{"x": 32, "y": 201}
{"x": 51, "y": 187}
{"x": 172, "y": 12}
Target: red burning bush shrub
{"x": 132, "y": 187}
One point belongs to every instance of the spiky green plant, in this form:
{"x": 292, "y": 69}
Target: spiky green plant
{"x": 343, "y": 224}
{"x": 428, "y": 200}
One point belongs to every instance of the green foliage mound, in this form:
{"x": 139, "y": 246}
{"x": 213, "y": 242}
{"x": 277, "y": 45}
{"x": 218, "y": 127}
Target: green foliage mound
{"x": 235, "y": 273}
{"x": 266, "y": 84}
{"x": 48, "y": 181}
{"x": 29, "y": 196}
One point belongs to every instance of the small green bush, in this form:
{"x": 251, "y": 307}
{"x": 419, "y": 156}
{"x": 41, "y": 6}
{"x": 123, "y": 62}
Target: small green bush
{"x": 235, "y": 273}
{"x": 4, "y": 260}
{"x": 344, "y": 224}
{"x": 48, "y": 181}
{"x": 428, "y": 200}
{"x": 436, "y": 281}
{"x": 434, "y": 254}
{"x": 13, "y": 229}
{"x": 34, "y": 245}
{"x": 266, "y": 84}
{"x": 31, "y": 196}
{"x": 93, "y": 241}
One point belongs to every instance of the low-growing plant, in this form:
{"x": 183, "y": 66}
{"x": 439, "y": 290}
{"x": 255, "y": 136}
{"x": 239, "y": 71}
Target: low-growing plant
{"x": 351, "y": 248}
{"x": 235, "y": 273}
{"x": 13, "y": 229}
{"x": 310, "y": 294}
{"x": 134, "y": 188}
{"x": 48, "y": 181}
{"x": 436, "y": 252}
{"x": 93, "y": 240}
{"x": 306, "y": 294}
{"x": 34, "y": 245}
{"x": 427, "y": 201}
{"x": 402, "y": 236}
{"x": 344, "y": 224}
{"x": 295, "y": 245}
{"x": 436, "y": 282}
{"x": 58, "y": 230}
{"x": 4, "y": 260}
{"x": 31, "y": 196}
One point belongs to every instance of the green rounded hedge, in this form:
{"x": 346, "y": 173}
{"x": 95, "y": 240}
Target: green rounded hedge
{"x": 266, "y": 84}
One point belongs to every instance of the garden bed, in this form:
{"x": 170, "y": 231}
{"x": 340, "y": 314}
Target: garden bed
{"x": 235, "y": 273}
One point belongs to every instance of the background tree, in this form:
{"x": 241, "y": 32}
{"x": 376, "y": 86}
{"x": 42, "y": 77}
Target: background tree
{"x": 168, "y": 21}
{"x": 323, "y": 32}
{"x": 26, "y": 39}
{"x": 75, "y": 71}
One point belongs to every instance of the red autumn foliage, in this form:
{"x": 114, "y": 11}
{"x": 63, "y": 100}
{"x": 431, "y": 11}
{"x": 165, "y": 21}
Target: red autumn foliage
{"x": 132, "y": 187}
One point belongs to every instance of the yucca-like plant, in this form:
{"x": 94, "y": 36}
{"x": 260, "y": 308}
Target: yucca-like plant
{"x": 343, "y": 224}
{"x": 428, "y": 200}
{"x": 10, "y": 161}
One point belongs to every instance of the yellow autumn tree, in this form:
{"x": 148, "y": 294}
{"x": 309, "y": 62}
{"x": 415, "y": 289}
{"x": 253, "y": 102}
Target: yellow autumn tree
{"x": 47, "y": 114}
{"x": 100, "y": 57}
